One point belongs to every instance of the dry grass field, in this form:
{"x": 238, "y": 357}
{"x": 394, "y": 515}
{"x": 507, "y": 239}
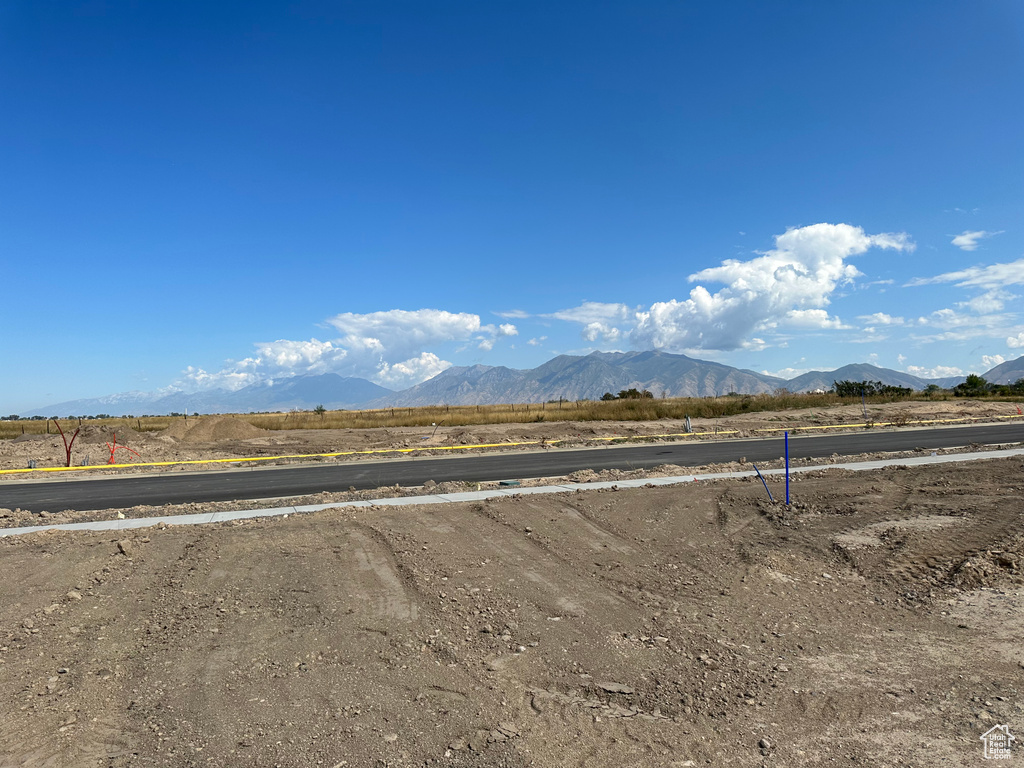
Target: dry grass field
{"x": 646, "y": 409}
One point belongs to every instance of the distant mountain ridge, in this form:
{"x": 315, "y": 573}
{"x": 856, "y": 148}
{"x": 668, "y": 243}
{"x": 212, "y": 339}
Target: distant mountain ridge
{"x": 569, "y": 377}
{"x": 1006, "y": 373}
{"x": 583, "y": 378}
{"x": 300, "y": 392}
{"x": 813, "y": 380}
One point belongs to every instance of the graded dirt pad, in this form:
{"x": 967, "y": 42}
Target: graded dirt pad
{"x": 877, "y": 621}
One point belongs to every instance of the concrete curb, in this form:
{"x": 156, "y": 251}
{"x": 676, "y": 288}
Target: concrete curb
{"x": 204, "y": 518}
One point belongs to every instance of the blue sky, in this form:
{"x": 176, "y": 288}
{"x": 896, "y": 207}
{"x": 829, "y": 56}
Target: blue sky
{"x": 211, "y": 194}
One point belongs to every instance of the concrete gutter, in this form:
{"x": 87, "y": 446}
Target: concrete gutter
{"x": 204, "y": 518}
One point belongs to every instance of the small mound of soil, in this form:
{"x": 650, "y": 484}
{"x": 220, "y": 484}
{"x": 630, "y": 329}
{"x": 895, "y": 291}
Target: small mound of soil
{"x": 210, "y": 429}
{"x": 106, "y": 433}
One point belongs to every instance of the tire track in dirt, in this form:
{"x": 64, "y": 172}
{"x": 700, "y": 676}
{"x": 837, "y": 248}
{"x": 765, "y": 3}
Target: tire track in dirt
{"x": 386, "y": 588}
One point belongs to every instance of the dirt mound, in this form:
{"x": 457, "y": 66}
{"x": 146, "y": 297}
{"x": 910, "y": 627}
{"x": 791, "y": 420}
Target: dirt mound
{"x": 211, "y": 429}
{"x": 106, "y": 433}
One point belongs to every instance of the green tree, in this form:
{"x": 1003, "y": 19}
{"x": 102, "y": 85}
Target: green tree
{"x": 973, "y": 386}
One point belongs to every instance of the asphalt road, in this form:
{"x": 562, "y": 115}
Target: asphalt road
{"x": 300, "y": 480}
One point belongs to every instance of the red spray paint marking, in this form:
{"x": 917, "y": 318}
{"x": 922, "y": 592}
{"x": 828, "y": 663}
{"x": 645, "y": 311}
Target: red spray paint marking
{"x": 115, "y": 446}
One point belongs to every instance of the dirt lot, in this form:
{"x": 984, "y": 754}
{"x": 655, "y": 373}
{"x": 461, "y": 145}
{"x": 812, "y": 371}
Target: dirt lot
{"x": 226, "y": 437}
{"x": 876, "y": 622}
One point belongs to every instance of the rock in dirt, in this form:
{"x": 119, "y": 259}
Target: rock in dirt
{"x": 616, "y": 688}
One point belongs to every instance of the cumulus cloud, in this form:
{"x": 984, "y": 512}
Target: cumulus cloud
{"x": 786, "y": 373}
{"x": 788, "y": 285}
{"x": 597, "y": 330}
{"x": 811, "y": 319}
{"x": 991, "y": 361}
{"x": 314, "y": 355}
{"x": 968, "y": 239}
{"x": 194, "y": 379}
{"x": 401, "y": 331}
{"x": 415, "y": 369}
{"x": 537, "y": 341}
{"x": 881, "y": 318}
{"x": 1015, "y": 342}
{"x": 391, "y": 347}
{"x": 938, "y": 372}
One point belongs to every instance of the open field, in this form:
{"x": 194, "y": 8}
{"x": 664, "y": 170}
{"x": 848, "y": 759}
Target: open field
{"x": 875, "y": 622}
{"x": 647, "y": 409}
{"x": 225, "y": 437}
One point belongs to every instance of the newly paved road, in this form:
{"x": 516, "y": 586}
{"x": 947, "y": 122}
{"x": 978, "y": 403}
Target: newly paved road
{"x": 276, "y": 482}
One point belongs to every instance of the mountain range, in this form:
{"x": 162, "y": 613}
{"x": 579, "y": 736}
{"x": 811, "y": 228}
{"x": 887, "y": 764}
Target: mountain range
{"x": 569, "y": 377}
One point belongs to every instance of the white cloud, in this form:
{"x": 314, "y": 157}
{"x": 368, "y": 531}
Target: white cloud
{"x": 593, "y": 312}
{"x": 486, "y": 342}
{"x": 403, "y": 332}
{"x": 991, "y": 361}
{"x": 968, "y": 239}
{"x": 1015, "y": 342}
{"x": 594, "y": 331}
{"x": 812, "y": 318}
{"x": 787, "y": 373}
{"x": 513, "y": 314}
{"x": 985, "y": 315}
{"x": 391, "y": 347}
{"x": 537, "y": 341}
{"x": 949, "y": 319}
{"x": 901, "y": 359}
{"x": 989, "y": 301}
{"x": 312, "y": 355}
{"x": 777, "y": 288}
{"x": 416, "y": 369}
{"x": 599, "y": 320}
{"x": 881, "y": 318}
{"x": 991, "y": 277}
{"x": 196, "y": 379}
{"x": 938, "y": 372}
{"x": 787, "y": 287}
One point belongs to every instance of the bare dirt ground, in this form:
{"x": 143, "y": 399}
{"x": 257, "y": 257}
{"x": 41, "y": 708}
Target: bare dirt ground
{"x": 877, "y": 622}
{"x": 226, "y": 437}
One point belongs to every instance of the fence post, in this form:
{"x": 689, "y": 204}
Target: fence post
{"x": 787, "y": 468}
